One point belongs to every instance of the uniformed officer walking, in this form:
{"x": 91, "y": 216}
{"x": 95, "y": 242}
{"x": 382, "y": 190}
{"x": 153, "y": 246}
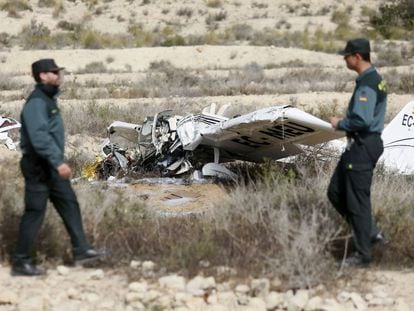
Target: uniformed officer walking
{"x": 350, "y": 186}
{"x": 45, "y": 173}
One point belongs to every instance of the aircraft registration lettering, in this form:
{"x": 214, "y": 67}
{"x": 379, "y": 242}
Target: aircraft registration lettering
{"x": 288, "y": 130}
{"x": 408, "y": 120}
{"x": 248, "y": 141}
{"x": 282, "y": 132}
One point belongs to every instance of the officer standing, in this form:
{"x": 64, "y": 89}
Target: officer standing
{"x": 45, "y": 173}
{"x": 350, "y": 186}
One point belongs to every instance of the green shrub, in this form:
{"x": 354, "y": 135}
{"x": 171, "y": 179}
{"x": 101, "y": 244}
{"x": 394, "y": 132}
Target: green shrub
{"x": 187, "y": 12}
{"x": 395, "y": 20}
{"x": 35, "y": 36}
{"x": 15, "y": 5}
{"x": 94, "y": 67}
{"x": 140, "y": 36}
{"x": 214, "y": 3}
{"x": 46, "y": 3}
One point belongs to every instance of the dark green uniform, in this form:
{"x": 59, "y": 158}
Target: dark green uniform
{"x": 350, "y": 186}
{"x": 42, "y": 144}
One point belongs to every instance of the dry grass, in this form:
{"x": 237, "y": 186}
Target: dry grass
{"x": 276, "y": 222}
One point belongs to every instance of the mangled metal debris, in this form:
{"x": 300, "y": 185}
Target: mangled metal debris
{"x": 9, "y": 129}
{"x": 174, "y": 145}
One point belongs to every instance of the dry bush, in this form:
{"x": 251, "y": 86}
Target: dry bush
{"x": 187, "y": 12}
{"x": 400, "y": 83}
{"x": 93, "y": 67}
{"x": 11, "y": 204}
{"x": 93, "y": 118}
{"x": 392, "y": 198}
{"x": 390, "y": 55}
{"x": 46, "y": 3}
{"x": 277, "y": 223}
{"x": 35, "y": 36}
{"x": 214, "y": 3}
{"x": 13, "y": 7}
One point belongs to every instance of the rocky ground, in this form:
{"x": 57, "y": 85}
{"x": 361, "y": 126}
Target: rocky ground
{"x": 144, "y": 286}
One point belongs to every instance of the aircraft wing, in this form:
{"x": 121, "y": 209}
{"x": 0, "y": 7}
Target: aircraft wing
{"x": 274, "y": 132}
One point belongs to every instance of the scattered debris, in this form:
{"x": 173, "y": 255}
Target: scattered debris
{"x": 8, "y": 129}
{"x": 173, "y": 145}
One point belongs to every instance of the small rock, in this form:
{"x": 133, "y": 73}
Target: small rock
{"x": 73, "y": 293}
{"x": 194, "y": 303}
{"x": 132, "y": 296}
{"x": 358, "y": 302}
{"x": 260, "y": 287}
{"x": 215, "y": 307}
{"x": 274, "y": 300}
{"x": 257, "y": 304}
{"x": 228, "y": 299}
{"x": 62, "y": 270}
{"x": 242, "y": 298}
{"x": 138, "y": 306}
{"x": 148, "y": 268}
{"x": 225, "y": 271}
{"x": 150, "y": 296}
{"x": 198, "y": 284}
{"x": 135, "y": 264}
{"x": 174, "y": 282}
{"x": 401, "y": 305}
{"x": 276, "y": 282}
{"x": 8, "y": 297}
{"x": 68, "y": 306}
{"x": 97, "y": 274}
{"x": 106, "y": 305}
{"x": 314, "y": 304}
{"x": 139, "y": 287}
{"x": 204, "y": 263}
{"x": 35, "y": 303}
{"x": 91, "y": 297}
{"x": 212, "y": 298}
{"x": 242, "y": 288}
{"x": 330, "y": 305}
{"x": 299, "y": 300}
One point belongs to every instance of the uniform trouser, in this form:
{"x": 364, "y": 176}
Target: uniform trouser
{"x": 38, "y": 189}
{"x": 350, "y": 190}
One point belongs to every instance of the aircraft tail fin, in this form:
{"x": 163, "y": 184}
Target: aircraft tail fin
{"x": 398, "y": 138}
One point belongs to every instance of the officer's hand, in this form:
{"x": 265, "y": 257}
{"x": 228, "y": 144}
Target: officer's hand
{"x": 334, "y": 121}
{"x": 64, "y": 171}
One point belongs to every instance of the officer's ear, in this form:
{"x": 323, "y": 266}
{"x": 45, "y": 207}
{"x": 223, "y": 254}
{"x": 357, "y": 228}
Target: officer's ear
{"x": 358, "y": 56}
{"x": 42, "y": 76}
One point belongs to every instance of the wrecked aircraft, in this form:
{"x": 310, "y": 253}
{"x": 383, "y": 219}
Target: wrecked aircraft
{"x": 173, "y": 145}
{"x": 9, "y": 132}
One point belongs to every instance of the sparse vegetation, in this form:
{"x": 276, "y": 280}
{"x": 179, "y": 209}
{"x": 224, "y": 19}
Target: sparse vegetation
{"x": 13, "y": 7}
{"x": 187, "y": 12}
{"x": 214, "y": 3}
{"x": 395, "y": 20}
{"x": 46, "y": 3}
{"x": 279, "y": 224}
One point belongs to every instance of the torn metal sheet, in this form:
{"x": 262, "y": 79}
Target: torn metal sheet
{"x": 173, "y": 145}
{"x": 9, "y": 129}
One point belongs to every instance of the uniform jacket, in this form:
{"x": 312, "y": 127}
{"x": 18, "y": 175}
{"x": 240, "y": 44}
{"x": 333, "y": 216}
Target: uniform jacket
{"x": 42, "y": 131}
{"x": 366, "y": 109}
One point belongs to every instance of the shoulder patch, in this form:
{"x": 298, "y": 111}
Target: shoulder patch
{"x": 363, "y": 97}
{"x": 382, "y": 86}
